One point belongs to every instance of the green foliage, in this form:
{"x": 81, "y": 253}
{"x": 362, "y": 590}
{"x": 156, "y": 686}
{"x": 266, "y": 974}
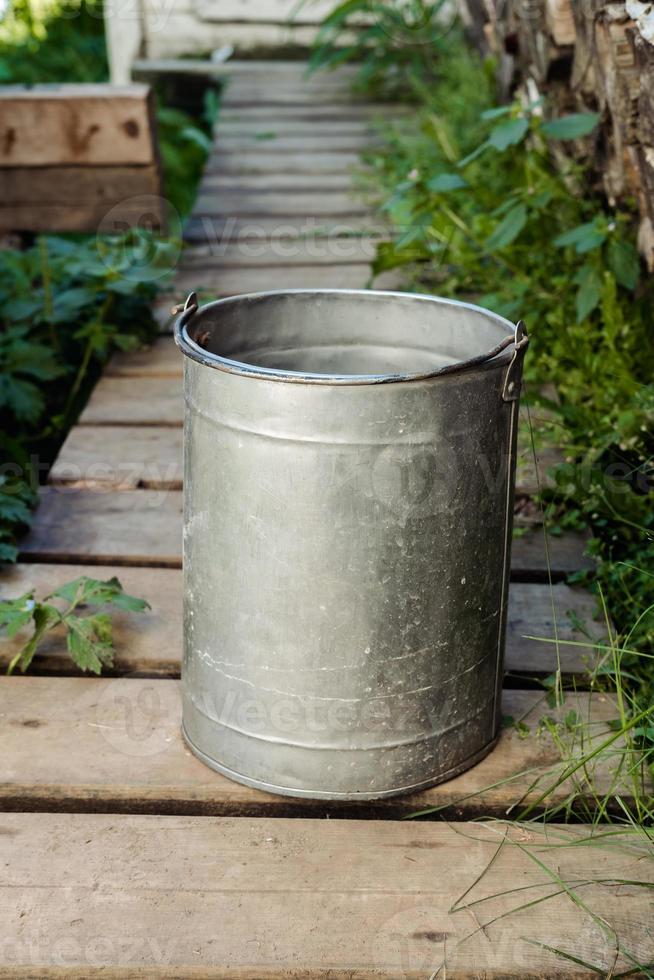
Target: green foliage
{"x": 89, "y": 638}
{"x": 61, "y": 41}
{"x": 481, "y": 211}
{"x": 65, "y": 307}
{"x": 394, "y": 45}
{"x": 185, "y": 145}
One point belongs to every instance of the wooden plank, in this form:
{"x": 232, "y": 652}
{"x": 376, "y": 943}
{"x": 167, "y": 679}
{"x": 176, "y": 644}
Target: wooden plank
{"x": 272, "y": 11}
{"x": 375, "y": 111}
{"x": 254, "y": 93}
{"x": 162, "y": 360}
{"x": 118, "y": 401}
{"x": 318, "y": 251}
{"x": 317, "y": 898}
{"x": 296, "y": 143}
{"x": 128, "y": 527}
{"x": 228, "y": 282}
{"x": 265, "y": 129}
{"x": 139, "y": 527}
{"x": 53, "y": 217}
{"x": 120, "y": 458}
{"x": 209, "y": 229}
{"x": 225, "y": 162}
{"x": 151, "y": 644}
{"x": 59, "y": 125}
{"x": 318, "y": 204}
{"x": 76, "y": 186}
{"x": 90, "y": 744}
{"x": 147, "y": 454}
{"x": 234, "y": 67}
{"x": 274, "y": 183}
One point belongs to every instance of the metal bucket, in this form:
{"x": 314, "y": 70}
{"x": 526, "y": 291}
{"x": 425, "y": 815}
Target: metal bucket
{"x": 349, "y": 478}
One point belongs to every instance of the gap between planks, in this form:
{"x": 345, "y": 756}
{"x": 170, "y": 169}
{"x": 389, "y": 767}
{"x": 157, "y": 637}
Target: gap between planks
{"x": 151, "y": 643}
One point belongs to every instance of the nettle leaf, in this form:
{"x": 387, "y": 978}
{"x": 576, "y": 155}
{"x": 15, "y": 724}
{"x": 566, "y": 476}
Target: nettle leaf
{"x": 509, "y": 228}
{"x": 624, "y": 263}
{"x": 584, "y": 237}
{"x": 35, "y": 360}
{"x": 96, "y": 592}
{"x": 68, "y": 304}
{"x": 589, "y": 292}
{"x": 571, "y": 127}
{"x": 44, "y": 617}
{"x": 89, "y": 641}
{"x": 22, "y": 398}
{"x": 15, "y": 613}
{"x": 508, "y": 134}
{"x": 446, "y": 182}
{"x": 13, "y": 508}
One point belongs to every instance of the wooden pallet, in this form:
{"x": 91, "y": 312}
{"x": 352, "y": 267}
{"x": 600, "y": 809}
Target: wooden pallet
{"x": 124, "y": 856}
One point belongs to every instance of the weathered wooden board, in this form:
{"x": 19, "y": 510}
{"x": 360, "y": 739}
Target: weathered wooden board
{"x": 375, "y": 111}
{"x": 60, "y": 125}
{"x": 243, "y": 93}
{"x": 162, "y": 360}
{"x": 295, "y": 143}
{"x": 121, "y": 401}
{"x": 275, "y": 182}
{"x": 80, "y": 187}
{"x": 155, "y": 647}
{"x": 151, "y": 644}
{"x": 120, "y": 458}
{"x": 105, "y": 218}
{"x": 225, "y": 162}
{"x": 317, "y": 203}
{"x": 128, "y": 527}
{"x": 226, "y": 897}
{"x": 228, "y": 282}
{"x": 89, "y": 744}
{"x": 290, "y": 126}
{"x": 215, "y": 231}
{"x": 148, "y": 453}
{"x": 318, "y": 251}
{"x": 270, "y": 68}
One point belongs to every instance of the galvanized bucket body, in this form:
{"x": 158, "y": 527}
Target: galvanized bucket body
{"x": 349, "y": 476}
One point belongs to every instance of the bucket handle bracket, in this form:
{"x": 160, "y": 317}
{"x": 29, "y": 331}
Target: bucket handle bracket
{"x": 511, "y": 388}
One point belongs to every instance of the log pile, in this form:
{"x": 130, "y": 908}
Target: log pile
{"x": 587, "y": 55}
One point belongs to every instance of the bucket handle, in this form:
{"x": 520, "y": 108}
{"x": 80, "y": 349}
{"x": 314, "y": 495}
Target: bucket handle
{"x": 520, "y": 341}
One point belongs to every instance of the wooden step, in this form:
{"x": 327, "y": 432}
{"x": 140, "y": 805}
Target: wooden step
{"x": 152, "y": 643}
{"x": 144, "y": 527}
{"x": 115, "y": 744}
{"x": 180, "y": 896}
{"x": 225, "y": 162}
{"x": 215, "y": 229}
{"x": 120, "y": 452}
{"x": 318, "y": 203}
{"x": 253, "y": 255}
{"x": 295, "y": 143}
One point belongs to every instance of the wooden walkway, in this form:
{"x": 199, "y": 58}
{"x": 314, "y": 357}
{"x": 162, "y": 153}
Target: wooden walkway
{"x": 121, "y": 854}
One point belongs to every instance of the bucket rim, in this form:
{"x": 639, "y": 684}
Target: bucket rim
{"x": 499, "y": 356}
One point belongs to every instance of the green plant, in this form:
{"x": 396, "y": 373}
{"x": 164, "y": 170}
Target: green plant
{"x": 66, "y": 306}
{"x": 89, "y": 638}
{"x": 393, "y": 44}
{"x": 487, "y": 204}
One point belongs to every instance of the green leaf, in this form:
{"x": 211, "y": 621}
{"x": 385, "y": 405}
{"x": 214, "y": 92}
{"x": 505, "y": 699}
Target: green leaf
{"x": 571, "y": 127}
{"x": 508, "y": 134}
{"x": 508, "y": 229}
{"x": 502, "y": 110}
{"x": 22, "y": 398}
{"x": 89, "y": 641}
{"x": 624, "y": 263}
{"x": 445, "y": 182}
{"x": 15, "y": 613}
{"x": 96, "y": 592}
{"x": 589, "y": 292}
{"x": 584, "y": 237}
{"x": 44, "y": 617}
